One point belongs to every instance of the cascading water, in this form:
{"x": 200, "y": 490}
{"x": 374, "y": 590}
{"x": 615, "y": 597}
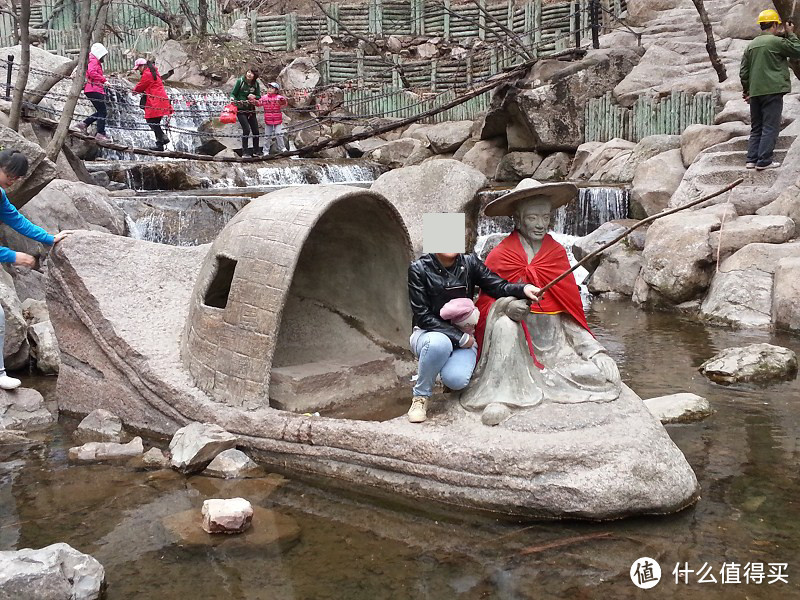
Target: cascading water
{"x": 126, "y": 122}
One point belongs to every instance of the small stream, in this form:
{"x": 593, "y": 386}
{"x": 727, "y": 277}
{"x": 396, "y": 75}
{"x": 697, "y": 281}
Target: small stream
{"x": 353, "y": 547}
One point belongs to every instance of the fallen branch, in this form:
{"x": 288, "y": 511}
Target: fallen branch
{"x": 711, "y": 46}
{"x": 35, "y": 95}
{"x": 660, "y": 215}
{"x": 570, "y": 541}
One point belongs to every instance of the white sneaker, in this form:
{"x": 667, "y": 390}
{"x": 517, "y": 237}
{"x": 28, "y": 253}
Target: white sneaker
{"x": 774, "y": 165}
{"x": 419, "y": 409}
{"x": 9, "y": 383}
{"x": 750, "y": 165}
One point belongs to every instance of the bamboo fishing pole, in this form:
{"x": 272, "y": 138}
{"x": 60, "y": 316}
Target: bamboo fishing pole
{"x": 664, "y": 213}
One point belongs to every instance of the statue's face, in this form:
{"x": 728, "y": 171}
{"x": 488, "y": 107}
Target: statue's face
{"x": 533, "y": 218}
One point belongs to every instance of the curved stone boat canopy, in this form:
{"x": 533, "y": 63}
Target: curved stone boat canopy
{"x": 301, "y": 302}
{"x": 123, "y": 308}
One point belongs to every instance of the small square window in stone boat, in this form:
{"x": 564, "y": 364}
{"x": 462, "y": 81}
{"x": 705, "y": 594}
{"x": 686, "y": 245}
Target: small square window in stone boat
{"x": 220, "y": 286}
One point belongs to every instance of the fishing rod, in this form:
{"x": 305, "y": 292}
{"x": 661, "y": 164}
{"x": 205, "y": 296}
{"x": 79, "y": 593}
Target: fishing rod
{"x": 660, "y": 215}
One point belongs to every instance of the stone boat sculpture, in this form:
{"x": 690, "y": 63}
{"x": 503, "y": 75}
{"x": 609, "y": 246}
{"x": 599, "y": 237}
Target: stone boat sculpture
{"x": 301, "y": 305}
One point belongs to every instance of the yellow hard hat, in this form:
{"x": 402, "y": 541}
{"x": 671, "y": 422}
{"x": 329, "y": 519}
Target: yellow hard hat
{"x": 769, "y": 16}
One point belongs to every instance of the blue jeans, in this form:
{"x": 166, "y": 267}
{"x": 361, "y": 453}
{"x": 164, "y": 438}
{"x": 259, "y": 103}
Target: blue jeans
{"x": 765, "y": 125}
{"x": 437, "y": 357}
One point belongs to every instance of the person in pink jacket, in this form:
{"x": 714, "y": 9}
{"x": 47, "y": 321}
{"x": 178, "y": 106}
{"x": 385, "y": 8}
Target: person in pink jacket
{"x": 273, "y": 104}
{"x": 95, "y": 91}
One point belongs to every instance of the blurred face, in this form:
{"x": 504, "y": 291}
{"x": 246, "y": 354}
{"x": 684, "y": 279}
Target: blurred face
{"x": 446, "y": 258}
{"x": 7, "y": 179}
{"x": 250, "y": 76}
{"x": 533, "y": 218}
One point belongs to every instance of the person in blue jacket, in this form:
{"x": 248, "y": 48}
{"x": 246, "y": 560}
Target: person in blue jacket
{"x": 14, "y": 165}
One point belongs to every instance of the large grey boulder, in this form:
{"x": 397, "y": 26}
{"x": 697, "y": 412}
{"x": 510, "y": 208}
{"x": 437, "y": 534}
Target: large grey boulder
{"x": 617, "y": 272}
{"x": 583, "y": 246}
{"x": 578, "y": 169}
{"x": 101, "y": 424}
{"x": 446, "y": 137}
{"x": 15, "y": 347}
{"x": 193, "y": 447}
{"x": 23, "y": 408}
{"x": 740, "y": 21}
{"x": 641, "y": 12}
{"x": 741, "y": 293}
{"x": 55, "y": 572}
{"x": 787, "y": 204}
{"x": 679, "y": 408}
{"x": 44, "y": 347}
{"x": 593, "y": 165}
{"x": 300, "y": 74}
{"x": 485, "y": 156}
{"x": 554, "y": 167}
{"x": 677, "y": 256}
{"x": 42, "y": 171}
{"x": 97, "y": 451}
{"x": 622, "y": 167}
{"x": 750, "y": 229}
{"x": 698, "y": 137}
{"x": 399, "y": 153}
{"x": 554, "y": 112}
{"x": 786, "y": 294}
{"x": 439, "y": 186}
{"x": 756, "y": 363}
{"x": 67, "y": 205}
{"x": 515, "y": 166}
{"x": 656, "y": 179}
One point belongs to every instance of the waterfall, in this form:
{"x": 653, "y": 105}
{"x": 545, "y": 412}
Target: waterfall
{"x": 595, "y": 206}
{"x": 126, "y": 124}
{"x": 304, "y": 172}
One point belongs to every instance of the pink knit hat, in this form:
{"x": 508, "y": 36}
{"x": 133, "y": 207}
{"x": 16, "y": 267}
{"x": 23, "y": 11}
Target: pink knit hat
{"x": 457, "y": 310}
{"x": 139, "y": 62}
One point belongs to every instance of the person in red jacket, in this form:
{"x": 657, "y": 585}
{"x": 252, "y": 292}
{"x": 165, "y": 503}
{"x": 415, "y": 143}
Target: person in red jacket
{"x": 157, "y": 104}
{"x": 96, "y": 93}
{"x": 273, "y": 104}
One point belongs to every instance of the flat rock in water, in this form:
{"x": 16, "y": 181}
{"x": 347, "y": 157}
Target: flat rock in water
{"x": 756, "y": 362}
{"x": 227, "y": 515}
{"x": 56, "y": 572}
{"x": 679, "y": 408}
{"x": 231, "y": 464}
{"x": 194, "y": 446}
{"x": 257, "y": 490}
{"x": 23, "y": 408}
{"x": 13, "y": 442}
{"x": 94, "y": 451}
{"x": 270, "y": 531}
{"x": 155, "y": 458}
{"x": 100, "y": 424}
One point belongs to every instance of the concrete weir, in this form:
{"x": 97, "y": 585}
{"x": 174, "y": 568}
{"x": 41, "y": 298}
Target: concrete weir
{"x": 301, "y": 302}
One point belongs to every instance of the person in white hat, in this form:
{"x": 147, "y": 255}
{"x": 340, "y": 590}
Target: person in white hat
{"x": 95, "y": 91}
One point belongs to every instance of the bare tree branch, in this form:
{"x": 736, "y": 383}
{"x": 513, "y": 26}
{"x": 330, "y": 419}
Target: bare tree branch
{"x": 24, "y": 64}
{"x": 711, "y": 46}
{"x": 511, "y": 35}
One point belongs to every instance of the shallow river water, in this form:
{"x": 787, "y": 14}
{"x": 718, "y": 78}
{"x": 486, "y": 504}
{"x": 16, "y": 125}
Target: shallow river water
{"x": 353, "y": 547}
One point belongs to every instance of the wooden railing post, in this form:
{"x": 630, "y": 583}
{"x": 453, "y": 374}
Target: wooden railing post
{"x": 291, "y": 31}
{"x": 326, "y": 64}
{"x": 537, "y": 23}
{"x": 254, "y": 26}
{"x": 433, "y": 75}
{"x": 360, "y": 66}
{"x": 446, "y": 16}
{"x": 332, "y": 22}
{"x": 482, "y": 20}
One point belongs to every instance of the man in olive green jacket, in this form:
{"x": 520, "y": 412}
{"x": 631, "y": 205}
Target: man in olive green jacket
{"x": 765, "y": 79}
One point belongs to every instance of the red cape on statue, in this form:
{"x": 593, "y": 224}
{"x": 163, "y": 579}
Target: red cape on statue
{"x": 510, "y": 261}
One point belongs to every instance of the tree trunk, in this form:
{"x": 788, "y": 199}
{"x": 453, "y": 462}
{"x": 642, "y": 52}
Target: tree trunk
{"x": 202, "y": 8}
{"x": 24, "y": 65}
{"x": 787, "y": 9}
{"x": 711, "y": 46}
{"x": 87, "y": 27}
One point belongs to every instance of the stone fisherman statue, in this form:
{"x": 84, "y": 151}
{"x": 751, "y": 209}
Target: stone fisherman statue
{"x": 542, "y": 351}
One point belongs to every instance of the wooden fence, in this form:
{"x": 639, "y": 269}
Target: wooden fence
{"x": 649, "y": 115}
{"x": 532, "y": 20}
{"x": 388, "y": 101}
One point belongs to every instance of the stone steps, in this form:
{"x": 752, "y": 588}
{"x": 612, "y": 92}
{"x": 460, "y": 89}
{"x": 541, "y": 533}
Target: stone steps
{"x": 739, "y": 144}
{"x": 735, "y": 158}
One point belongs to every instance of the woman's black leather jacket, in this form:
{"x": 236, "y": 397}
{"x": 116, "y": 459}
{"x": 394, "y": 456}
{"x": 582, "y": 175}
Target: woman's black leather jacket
{"x": 431, "y": 286}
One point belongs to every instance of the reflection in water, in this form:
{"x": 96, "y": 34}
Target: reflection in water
{"x": 745, "y": 456}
